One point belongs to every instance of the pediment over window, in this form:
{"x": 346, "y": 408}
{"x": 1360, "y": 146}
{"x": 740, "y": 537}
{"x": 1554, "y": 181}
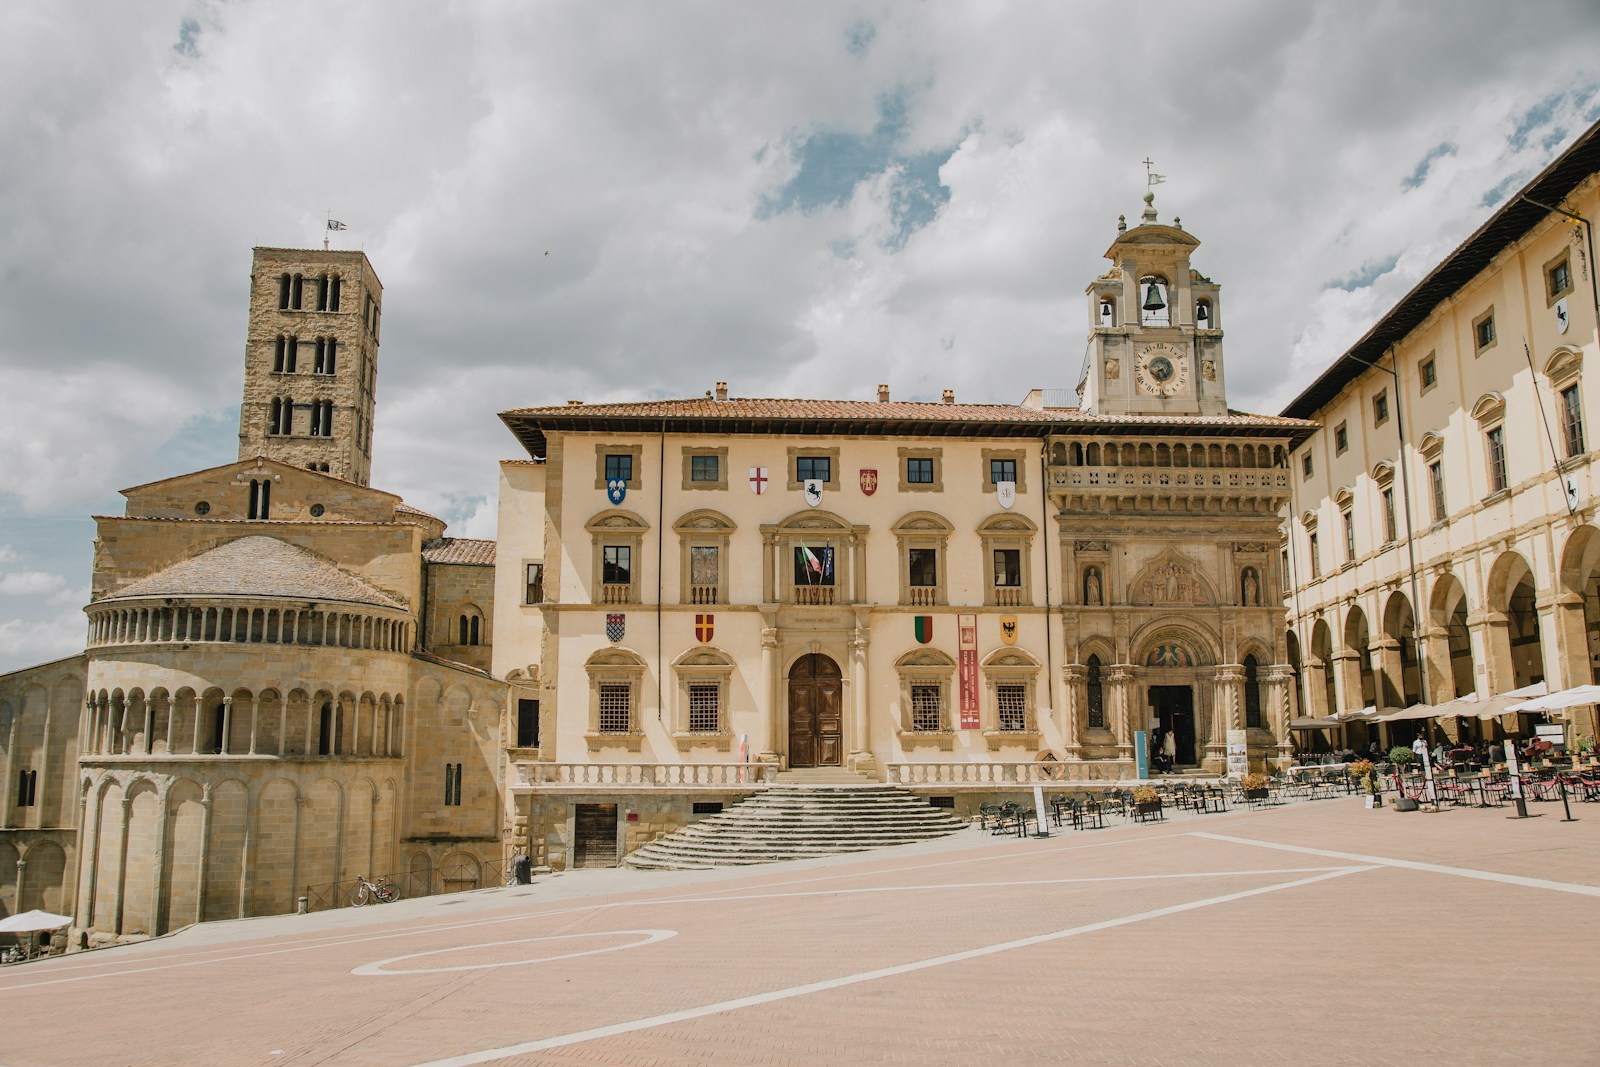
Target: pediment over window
{"x": 615, "y": 659}
{"x": 705, "y": 656}
{"x": 1014, "y": 658}
{"x": 704, "y": 521}
{"x": 1489, "y": 407}
{"x": 922, "y": 522}
{"x": 1383, "y": 472}
{"x": 1431, "y": 444}
{"x": 1344, "y": 497}
{"x": 1563, "y": 365}
{"x": 615, "y": 522}
{"x": 1006, "y": 524}
{"x": 924, "y": 657}
{"x": 811, "y": 520}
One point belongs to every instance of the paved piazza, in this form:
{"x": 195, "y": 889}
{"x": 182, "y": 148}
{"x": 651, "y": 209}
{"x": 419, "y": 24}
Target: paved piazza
{"x": 1318, "y": 933}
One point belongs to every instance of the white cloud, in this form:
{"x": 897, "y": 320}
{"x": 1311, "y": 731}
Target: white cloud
{"x": 7, "y": 554}
{"x": 30, "y": 583}
{"x": 52, "y": 636}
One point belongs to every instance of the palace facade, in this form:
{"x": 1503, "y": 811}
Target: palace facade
{"x": 692, "y": 594}
{"x": 1443, "y": 541}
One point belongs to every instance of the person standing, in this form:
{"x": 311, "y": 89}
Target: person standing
{"x": 1169, "y": 749}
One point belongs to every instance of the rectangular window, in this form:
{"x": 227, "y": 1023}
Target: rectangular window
{"x": 527, "y": 724}
{"x": 1558, "y": 279}
{"x": 705, "y": 468}
{"x": 1341, "y": 439}
{"x": 1283, "y": 569}
{"x": 922, "y": 567}
{"x": 1349, "y": 537}
{"x": 1388, "y": 516}
{"x": 452, "y": 785}
{"x": 705, "y": 708}
{"x": 1498, "y": 479}
{"x": 819, "y": 468}
{"x": 1483, "y": 330}
{"x": 1007, "y": 568}
{"x": 1572, "y": 420}
{"x": 1011, "y": 707}
{"x": 703, "y": 568}
{"x": 616, "y": 708}
{"x": 1380, "y": 408}
{"x": 617, "y": 565}
{"x": 1002, "y": 470}
{"x": 619, "y": 467}
{"x": 1305, "y": 466}
{"x": 533, "y": 592}
{"x": 927, "y": 714}
{"x": 1316, "y": 558}
{"x": 1436, "y": 483}
{"x": 813, "y": 564}
{"x": 919, "y": 470}
{"x": 1430, "y": 374}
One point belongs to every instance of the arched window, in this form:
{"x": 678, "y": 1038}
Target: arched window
{"x": 333, "y": 295}
{"x": 291, "y": 350}
{"x": 1097, "y": 698}
{"x": 1203, "y": 318}
{"x": 327, "y": 734}
{"x": 260, "y": 499}
{"x": 278, "y": 353}
{"x": 1108, "y": 312}
{"x": 27, "y": 788}
{"x": 322, "y": 293}
{"x": 1252, "y": 695}
{"x": 296, "y": 290}
{"x": 1154, "y": 303}
{"x": 283, "y": 292}
{"x": 452, "y": 784}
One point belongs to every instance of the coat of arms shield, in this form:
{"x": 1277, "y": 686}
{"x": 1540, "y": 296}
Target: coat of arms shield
{"x": 616, "y": 625}
{"x": 1005, "y": 493}
{"x": 1008, "y": 629}
{"x": 813, "y": 491}
{"x": 704, "y": 627}
{"x": 922, "y": 628}
{"x": 616, "y": 489}
{"x": 869, "y": 482}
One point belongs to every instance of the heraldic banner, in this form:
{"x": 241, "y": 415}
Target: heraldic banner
{"x": 968, "y": 627}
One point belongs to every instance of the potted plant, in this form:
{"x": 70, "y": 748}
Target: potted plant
{"x": 1146, "y": 801}
{"x": 1366, "y": 779}
{"x": 1254, "y": 786}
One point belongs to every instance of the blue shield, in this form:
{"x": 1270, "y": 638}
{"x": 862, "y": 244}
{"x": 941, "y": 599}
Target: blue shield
{"x": 615, "y": 625}
{"x": 616, "y": 489}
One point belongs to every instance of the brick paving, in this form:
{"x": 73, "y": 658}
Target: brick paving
{"x": 1173, "y": 945}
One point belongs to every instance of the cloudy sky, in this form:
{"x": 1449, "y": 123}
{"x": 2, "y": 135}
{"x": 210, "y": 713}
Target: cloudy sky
{"x": 600, "y": 201}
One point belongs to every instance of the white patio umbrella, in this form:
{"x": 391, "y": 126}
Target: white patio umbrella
{"x": 32, "y": 922}
{"x": 1575, "y": 697}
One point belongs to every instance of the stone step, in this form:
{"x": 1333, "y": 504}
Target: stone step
{"x": 801, "y": 818}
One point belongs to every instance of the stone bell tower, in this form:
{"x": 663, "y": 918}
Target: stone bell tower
{"x": 311, "y": 360}
{"x": 1155, "y": 334}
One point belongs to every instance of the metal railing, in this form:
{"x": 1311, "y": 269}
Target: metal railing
{"x": 1025, "y": 772}
{"x": 432, "y": 881}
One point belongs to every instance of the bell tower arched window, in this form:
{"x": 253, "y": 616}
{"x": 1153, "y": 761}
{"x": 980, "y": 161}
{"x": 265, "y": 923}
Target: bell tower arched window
{"x": 1154, "y": 304}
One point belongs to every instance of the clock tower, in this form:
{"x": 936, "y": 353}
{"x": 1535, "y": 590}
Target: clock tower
{"x": 1155, "y": 333}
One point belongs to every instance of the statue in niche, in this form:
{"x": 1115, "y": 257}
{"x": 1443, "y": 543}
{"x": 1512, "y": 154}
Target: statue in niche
{"x": 1250, "y": 588}
{"x": 1091, "y": 586}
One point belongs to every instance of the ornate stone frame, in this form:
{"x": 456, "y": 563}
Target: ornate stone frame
{"x": 615, "y": 527}
{"x": 703, "y": 528}
{"x": 924, "y": 529}
{"x": 1010, "y": 665}
{"x": 1018, "y": 454}
{"x": 926, "y": 666}
{"x": 601, "y": 451}
{"x": 690, "y": 452}
{"x": 935, "y": 454}
{"x": 810, "y": 526}
{"x": 1002, "y": 531}
{"x": 796, "y": 451}
{"x": 701, "y": 665}
{"x": 615, "y": 666}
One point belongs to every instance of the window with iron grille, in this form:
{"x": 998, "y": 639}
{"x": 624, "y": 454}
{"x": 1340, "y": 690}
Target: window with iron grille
{"x": 616, "y": 708}
{"x": 1011, "y": 706}
{"x": 1572, "y": 420}
{"x": 1097, "y": 696}
{"x": 705, "y": 708}
{"x": 927, "y": 711}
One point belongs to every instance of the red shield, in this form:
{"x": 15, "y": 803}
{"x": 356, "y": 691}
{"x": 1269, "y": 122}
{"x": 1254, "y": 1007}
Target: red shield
{"x": 869, "y": 482}
{"x": 704, "y": 625}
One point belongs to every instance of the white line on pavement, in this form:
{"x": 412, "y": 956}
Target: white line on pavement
{"x": 632, "y": 1026}
{"x": 1414, "y": 865}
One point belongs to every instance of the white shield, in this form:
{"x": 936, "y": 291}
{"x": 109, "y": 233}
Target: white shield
{"x": 758, "y": 480}
{"x": 1006, "y": 493}
{"x": 813, "y": 491}
{"x": 1562, "y": 322}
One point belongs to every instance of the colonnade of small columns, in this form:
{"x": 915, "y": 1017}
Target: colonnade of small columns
{"x": 247, "y": 625}
{"x": 245, "y": 723}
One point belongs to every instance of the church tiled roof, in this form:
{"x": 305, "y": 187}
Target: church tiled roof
{"x": 459, "y": 550}
{"x": 257, "y": 566}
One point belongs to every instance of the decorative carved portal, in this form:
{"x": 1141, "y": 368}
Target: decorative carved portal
{"x": 816, "y": 721}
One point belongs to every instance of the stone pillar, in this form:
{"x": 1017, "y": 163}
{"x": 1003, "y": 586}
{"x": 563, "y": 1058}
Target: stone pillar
{"x": 227, "y": 725}
{"x": 1390, "y": 675}
{"x": 769, "y": 566}
{"x": 205, "y": 855}
{"x": 194, "y": 705}
{"x": 1347, "y": 680}
{"x": 1441, "y": 683}
{"x": 122, "y": 864}
{"x": 861, "y": 760}
{"x": 1118, "y": 680}
{"x": 158, "y": 910}
{"x": 1074, "y": 705}
{"x": 255, "y": 713}
{"x": 1278, "y": 707}
{"x": 769, "y": 689}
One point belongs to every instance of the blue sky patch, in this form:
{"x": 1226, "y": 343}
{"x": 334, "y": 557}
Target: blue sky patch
{"x": 832, "y": 164}
{"x": 1420, "y": 175}
{"x": 859, "y": 38}
{"x": 1364, "y": 275}
{"x": 188, "y": 39}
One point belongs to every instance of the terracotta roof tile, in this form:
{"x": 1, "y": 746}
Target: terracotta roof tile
{"x": 459, "y": 550}
{"x": 770, "y": 408}
{"x": 257, "y": 566}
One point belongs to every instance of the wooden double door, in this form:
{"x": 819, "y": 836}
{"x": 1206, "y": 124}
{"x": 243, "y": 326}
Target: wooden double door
{"x": 816, "y": 716}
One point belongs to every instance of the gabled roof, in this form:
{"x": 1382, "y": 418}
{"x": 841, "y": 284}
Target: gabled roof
{"x": 470, "y": 550}
{"x": 858, "y": 417}
{"x": 257, "y": 566}
{"x": 1503, "y": 229}
{"x": 264, "y": 461}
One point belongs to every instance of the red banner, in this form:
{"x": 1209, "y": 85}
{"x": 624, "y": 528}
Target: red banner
{"x": 967, "y": 625}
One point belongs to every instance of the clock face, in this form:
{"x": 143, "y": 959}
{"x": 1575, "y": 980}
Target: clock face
{"x": 1162, "y": 369}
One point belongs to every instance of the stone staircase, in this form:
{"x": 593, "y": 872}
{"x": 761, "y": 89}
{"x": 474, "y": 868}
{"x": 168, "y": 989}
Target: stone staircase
{"x": 807, "y": 813}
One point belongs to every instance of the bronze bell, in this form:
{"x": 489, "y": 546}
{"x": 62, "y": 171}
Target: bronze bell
{"x": 1202, "y": 313}
{"x": 1152, "y": 298}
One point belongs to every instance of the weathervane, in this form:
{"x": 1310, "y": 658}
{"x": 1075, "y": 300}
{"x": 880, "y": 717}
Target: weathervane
{"x": 1151, "y": 180}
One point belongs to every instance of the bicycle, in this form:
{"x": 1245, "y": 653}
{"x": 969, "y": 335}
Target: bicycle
{"x": 367, "y": 890}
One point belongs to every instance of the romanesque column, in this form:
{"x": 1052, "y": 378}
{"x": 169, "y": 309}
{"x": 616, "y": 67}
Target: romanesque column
{"x": 158, "y": 911}
{"x": 122, "y": 864}
{"x": 858, "y": 679}
{"x": 1118, "y": 680}
{"x": 1075, "y": 689}
{"x": 205, "y": 854}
